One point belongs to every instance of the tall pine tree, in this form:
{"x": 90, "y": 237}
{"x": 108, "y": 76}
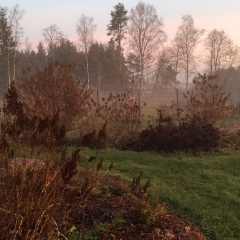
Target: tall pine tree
{"x": 116, "y": 28}
{"x": 41, "y": 56}
{"x": 6, "y": 51}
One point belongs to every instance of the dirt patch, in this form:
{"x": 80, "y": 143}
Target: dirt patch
{"x": 110, "y": 209}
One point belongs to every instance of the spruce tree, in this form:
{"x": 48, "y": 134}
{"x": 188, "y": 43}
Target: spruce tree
{"x": 6, "y": 52}
{"x": 116, "y": 28}
{"x": 41, "y": 56}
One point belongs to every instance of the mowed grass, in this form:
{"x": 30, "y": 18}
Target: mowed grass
{"x": 204, "y": 188}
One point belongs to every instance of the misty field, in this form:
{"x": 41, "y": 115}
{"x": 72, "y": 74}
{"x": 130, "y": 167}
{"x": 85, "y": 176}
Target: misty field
{"x": 204, "y": 188}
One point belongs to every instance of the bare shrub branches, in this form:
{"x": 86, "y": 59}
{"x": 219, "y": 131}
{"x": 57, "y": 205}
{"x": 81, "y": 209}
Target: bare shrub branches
{"x": 207, "y": 100}
{"x": 51, "y": 90}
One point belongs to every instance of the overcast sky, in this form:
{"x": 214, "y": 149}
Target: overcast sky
{"x": 207, "y": 14}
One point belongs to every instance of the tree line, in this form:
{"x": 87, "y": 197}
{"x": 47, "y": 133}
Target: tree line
{"x": 137, "y": 53}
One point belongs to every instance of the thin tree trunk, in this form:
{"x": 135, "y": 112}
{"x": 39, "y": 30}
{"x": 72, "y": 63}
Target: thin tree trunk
{"x": 14, "y": 63}
{"x": 9, "y": 70}
{"x": 187, "y": 76}
{"x": 120, "y": 65}
{"x": 87, "y": 67}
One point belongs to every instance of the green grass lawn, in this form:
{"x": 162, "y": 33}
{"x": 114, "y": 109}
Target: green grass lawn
{"x": 204, "y": 188}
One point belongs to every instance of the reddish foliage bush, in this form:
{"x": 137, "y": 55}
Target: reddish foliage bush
{"x": 53, "y": 90}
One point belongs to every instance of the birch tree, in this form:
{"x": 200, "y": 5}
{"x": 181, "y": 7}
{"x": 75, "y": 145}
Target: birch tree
{"x": 187, "y": 39}
{"x": 10, "y": 33}
{"x": 220, "y": 51}
{"x": 14, "y": 19}
{"x": 174, "y": 53}
{"x": 146, "y": 35}
{"x": 53, "y": 36}
{"x": 232, "y": 56}
{"x": 85, "y": 30}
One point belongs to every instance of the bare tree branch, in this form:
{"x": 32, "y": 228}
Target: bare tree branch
{"x": 146, "y": 35}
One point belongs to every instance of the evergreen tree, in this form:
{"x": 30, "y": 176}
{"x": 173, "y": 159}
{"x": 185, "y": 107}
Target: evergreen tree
{"x": 66, "y": 51}
{"x": 81, "y": 73}
{"x": 111, "y": 66}
{"x": 41, "y": 56}
{"x": 6, "y": 53}
{"x": 96, "y": 64}
{"x": 116, "y": 29}
{"x": 165, "y": 75}
{"x": 133, "y": 68}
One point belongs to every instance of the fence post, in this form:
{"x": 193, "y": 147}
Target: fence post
{"x": 4, "y": 105}
{"x": 177, "y": 98}
{"x": 139, "y": 102}
{"x": 98, "y": 103}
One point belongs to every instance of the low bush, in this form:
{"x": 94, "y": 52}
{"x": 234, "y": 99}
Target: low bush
{"x": 187, "y": 134}
{"x": 146, "y": 211}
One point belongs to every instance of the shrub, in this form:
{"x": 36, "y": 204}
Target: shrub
{"x": 42, "y": 203}
{"x": 118, "y": 115}
{"x": 31, "y": 203}
{"x": 53, "y": 90}
{"x": 31, "y": 130}
{"x": 37, "y": 197}
{"x": 146, "y": 211}
{"x": 207, "y": 100}
{"x": 121, "y": 114}
{"x": 188, "y": 134}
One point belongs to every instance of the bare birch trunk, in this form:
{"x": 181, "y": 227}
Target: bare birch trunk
{"x": 88, "y": 76}
{"x": 14, "y": 63}
{"x": 9, "y": 70}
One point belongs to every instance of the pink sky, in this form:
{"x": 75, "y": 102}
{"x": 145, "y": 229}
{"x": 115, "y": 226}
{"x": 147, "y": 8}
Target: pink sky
{"x": 219, "y": 14}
